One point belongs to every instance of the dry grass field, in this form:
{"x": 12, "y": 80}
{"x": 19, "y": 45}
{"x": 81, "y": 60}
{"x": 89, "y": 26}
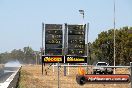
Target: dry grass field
{"x": 31, "y": 77}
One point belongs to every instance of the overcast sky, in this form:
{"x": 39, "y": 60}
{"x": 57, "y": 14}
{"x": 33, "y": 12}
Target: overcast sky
{"x": 21, "y": 20}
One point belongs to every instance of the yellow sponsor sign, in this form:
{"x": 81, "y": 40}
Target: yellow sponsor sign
{"x": 52, "y": 59}
{"x": 75, "y": 59}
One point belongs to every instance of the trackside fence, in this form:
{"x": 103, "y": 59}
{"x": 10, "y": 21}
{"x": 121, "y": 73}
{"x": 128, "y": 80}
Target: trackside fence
{"x": 65, "y": 65}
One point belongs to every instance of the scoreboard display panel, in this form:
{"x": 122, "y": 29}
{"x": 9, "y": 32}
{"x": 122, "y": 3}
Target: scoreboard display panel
{"x": 76, "y": 52}
{"x": 53, "y": 39}
{"x": 54, "y": 36}
{"x": 76, "y": 40}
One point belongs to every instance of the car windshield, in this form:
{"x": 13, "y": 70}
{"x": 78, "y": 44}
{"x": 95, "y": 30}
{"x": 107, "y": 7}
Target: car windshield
{"x": 102, "y": 64}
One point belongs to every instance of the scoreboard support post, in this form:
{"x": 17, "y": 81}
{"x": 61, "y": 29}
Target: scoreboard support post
{"x": 58, "y": 75}
{"x": 42, "y": 51}
{"x": 87, "y": 45}
{"x": 65, "y": 46}
{"x": 42, "y": 68}
{"x": 68, "y": 69}
{"x": 64, "y": 70}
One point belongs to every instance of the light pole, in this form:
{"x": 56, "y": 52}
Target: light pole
{"x": 82, "y": 13}
{"x": 114, "y": 36}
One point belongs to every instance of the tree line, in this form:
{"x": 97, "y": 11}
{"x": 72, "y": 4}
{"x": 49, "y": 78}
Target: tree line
{"x": 25, "y": 56}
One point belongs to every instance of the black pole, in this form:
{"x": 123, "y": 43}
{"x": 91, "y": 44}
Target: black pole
{"x": 42, "y": 51}
{"x": 87, "y": 46}
{"x": 131, "y": 73}
{"x": 65, "y": 47}
{"x": 58, "y": 75}
{"x": 42, "y": 66}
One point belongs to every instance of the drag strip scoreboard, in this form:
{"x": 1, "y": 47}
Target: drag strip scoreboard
{"x": 76, "y": 40}
{"x": 75, "y": 44}
{"x": 53, "y": 39}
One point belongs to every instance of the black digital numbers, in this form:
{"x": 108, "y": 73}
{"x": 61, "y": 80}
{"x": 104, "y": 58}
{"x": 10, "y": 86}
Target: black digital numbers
{"x": 76, "y": 27}
{"x": 53, "y": 26}
{"x": 75, "y": 41}
{"x": 53, "y": 36}
{"x": 76, "y": 46}
{"x": 54, "y": 31}
{"x": 54, "y": 41}
{"x": 77, "y": 52}
{"x": 76, "y": 32}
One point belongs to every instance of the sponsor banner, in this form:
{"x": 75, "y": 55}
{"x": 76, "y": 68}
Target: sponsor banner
{"x": 53, "y": 59}
{"x": 108, "y": 78}
{"x": 75, "y": 59}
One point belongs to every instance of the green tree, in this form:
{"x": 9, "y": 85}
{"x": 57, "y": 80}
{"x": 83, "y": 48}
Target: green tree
{"x": 103, "y": 46}
{"x": 28, "y": 55}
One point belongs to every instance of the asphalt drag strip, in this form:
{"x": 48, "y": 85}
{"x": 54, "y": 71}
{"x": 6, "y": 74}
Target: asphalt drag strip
{"x": 5, "y": 76}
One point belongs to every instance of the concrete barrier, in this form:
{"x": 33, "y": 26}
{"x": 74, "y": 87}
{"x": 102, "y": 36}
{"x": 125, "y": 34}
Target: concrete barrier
{"x": 12, "y": 81}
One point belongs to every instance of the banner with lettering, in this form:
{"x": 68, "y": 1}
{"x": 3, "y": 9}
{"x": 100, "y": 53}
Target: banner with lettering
{"x": 75, "y": 59}
{"x": 53, "y": 59}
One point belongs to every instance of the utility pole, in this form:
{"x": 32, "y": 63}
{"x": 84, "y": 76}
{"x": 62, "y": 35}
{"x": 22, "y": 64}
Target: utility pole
{"x": 42, "y": 52}
{"x": 114, "y": 36}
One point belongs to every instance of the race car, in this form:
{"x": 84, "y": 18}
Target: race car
{"x": 101, "y": 70}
